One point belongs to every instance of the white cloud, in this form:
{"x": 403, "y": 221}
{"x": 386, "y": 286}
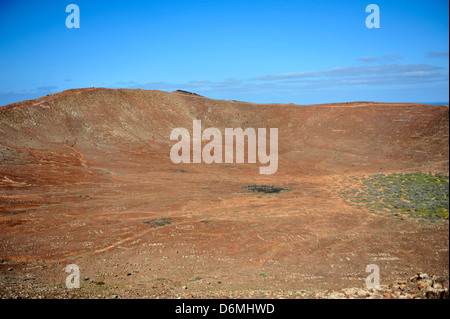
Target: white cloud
{"x": 384, "y": 69}
{"x": 434, "y": 54}
{"x": 353, "y": 78}
{"x": 295, "y": 75}
{"x": 392, "y": 57}
{"x": 46, "y": 88}
{"x": 368, "y": 59}
{"x": 384, "y": 58}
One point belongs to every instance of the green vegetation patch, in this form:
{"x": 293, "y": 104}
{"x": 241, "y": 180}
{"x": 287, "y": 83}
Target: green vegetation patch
{"x": 416, "y": 195}
{"x": 196, "y": 278}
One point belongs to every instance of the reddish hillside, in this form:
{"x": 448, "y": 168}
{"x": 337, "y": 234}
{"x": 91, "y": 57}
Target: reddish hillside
{"x": 86, "y": 178}
{"x": 113, "y": 127}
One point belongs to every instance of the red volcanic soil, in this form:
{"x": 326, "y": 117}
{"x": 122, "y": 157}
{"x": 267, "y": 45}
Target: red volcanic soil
{"x": 86, "y": 179}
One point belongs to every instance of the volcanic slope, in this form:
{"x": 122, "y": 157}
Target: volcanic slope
{"x": 86, "y": 178}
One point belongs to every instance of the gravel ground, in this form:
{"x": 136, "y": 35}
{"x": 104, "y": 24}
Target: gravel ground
{"x": 420, "y": 286}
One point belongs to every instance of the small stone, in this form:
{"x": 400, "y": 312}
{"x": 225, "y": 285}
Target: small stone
{"x": 396, "y": 287}
{"x": 425, "y": 276}
{"x": 437, "y": 285}
{"x": 351, "y": 291}
{"x": 362, "y": 294}
{"x": 434, "y": 294}
{"x": 414, "y": 278}
{"x": 406, "y": 289}
{"x": 443, "y": 281}
{"x": 425, "y": 284}
{"x": 336, "y": 295}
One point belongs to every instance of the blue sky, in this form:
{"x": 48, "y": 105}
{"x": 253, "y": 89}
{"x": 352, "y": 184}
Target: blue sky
{"x": 286, "y": 51}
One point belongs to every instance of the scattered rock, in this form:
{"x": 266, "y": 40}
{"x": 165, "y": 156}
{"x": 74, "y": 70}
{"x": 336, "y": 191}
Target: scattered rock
{"x": 441, "y": 283}
{"x": 8, "y": 277}
{"x": 433, "y": 293}
{"x": 336, "y": 295}
{"x": 186, "y": 92}
{"x": 363, "y": 294}
{"x": 267, "y": 189}
{"x": 159, "y": 222}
